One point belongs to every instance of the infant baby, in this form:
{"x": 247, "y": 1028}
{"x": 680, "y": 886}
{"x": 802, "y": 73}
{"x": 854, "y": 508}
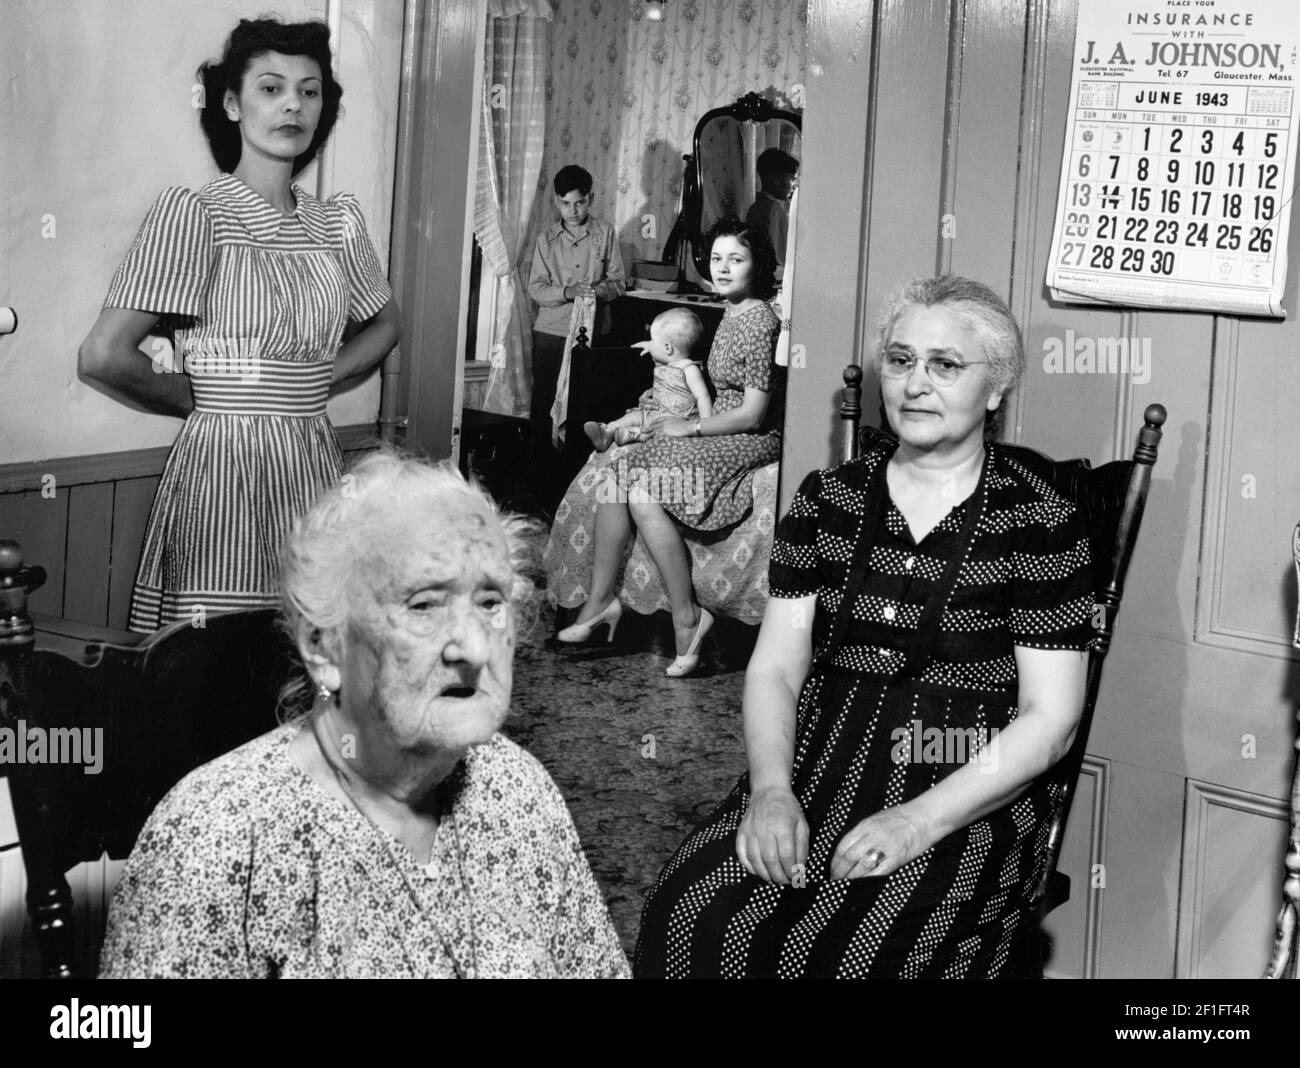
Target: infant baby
{"x": 679, "y": 389}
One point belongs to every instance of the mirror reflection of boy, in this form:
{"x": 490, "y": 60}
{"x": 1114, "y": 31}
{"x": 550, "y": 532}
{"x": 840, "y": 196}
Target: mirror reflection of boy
{"x": 575, "y": 256}
{"x": 778, "y": 174}
{"x": 679, "y": 388}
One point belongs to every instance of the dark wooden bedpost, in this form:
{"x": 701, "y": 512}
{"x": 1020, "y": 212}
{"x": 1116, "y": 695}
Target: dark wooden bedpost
{"x": 51, "y": 911}
{"x": 1285, "y": 961}
{"x": 851, "y": 412}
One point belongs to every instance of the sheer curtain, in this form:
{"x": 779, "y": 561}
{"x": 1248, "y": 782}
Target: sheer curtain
{"x": 511, "y": 138}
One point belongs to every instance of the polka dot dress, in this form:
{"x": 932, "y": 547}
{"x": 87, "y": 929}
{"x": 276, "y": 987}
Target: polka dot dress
{"x": 870, "y": 735}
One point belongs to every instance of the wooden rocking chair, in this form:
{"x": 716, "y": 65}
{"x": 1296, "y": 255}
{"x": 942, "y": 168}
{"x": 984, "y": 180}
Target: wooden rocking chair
{"x": 1111, "y": 499}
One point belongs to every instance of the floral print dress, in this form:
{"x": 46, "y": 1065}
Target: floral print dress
{"x": 249, "y": 869}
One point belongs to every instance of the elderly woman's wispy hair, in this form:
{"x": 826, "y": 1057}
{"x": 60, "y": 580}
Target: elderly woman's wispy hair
{"x": 322, "y": 550}
{"x": 987, "y": 315}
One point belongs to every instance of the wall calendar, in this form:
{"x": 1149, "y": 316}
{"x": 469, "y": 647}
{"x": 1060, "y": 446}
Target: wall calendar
{"x": 1180, "y": 156}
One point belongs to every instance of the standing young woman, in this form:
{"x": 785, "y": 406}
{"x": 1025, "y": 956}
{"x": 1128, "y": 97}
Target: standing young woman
{"x": 717, "y": 456}
{"x": 255, "y": 278}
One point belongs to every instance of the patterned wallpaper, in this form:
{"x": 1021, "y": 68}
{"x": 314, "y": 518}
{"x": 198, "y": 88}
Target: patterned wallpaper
{"x": 625, "y": 93}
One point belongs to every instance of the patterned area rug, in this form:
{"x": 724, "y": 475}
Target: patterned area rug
{"x": 640, "y": 758}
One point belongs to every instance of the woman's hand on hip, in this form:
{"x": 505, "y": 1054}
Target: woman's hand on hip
{"x": 772, "y": 841}
{"x": 668, "y": 426}
{"x": 879, "y": 845}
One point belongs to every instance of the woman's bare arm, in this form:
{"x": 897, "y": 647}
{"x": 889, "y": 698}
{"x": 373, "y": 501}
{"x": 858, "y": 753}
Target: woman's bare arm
{"x": 1050, "y": 702}
{"x": 370, "y": 344}
{"x": 745, "y": 419}
{"x": 773, "y": 837}
{"x": 111, "y": 359}
{"x": 699, "y": 390}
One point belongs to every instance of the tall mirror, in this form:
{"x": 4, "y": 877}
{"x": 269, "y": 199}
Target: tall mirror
{"x": 722, "y": 172}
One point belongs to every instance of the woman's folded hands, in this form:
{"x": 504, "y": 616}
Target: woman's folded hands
{"x": 772, "y": 841}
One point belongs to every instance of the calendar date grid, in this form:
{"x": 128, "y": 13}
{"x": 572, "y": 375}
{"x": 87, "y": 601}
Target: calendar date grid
{"x": 1172, "y": 194}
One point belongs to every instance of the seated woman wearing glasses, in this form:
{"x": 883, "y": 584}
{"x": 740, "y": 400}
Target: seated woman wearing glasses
{"x": 921, "y": 664}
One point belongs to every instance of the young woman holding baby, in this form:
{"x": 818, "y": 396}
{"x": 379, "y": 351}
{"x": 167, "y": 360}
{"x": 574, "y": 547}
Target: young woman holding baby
{"x": 717, "y": 453}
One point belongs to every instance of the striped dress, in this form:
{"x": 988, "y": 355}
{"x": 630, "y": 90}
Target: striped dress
{"x": 879, "y": 722}
{"x": 256, "y": 302}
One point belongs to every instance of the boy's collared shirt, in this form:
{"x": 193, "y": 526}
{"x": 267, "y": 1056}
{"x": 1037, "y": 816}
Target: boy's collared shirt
{"x": 561, "y": 258}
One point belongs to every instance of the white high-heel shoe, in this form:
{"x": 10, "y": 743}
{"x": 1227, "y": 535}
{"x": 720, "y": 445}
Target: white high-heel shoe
{"x": 690, "y": 660}
{"x": 581, "y": 632}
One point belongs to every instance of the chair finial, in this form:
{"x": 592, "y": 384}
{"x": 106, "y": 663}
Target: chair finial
{"x": 16, "y": 583}
{"x": 1150, "y": 434}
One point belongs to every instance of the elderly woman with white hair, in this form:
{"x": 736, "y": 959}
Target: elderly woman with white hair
{"x": 386, "y": 829}
{"x": 921, "y": 664}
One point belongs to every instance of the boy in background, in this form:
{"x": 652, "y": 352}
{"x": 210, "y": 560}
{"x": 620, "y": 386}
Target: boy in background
{"x": 574, "y": 257}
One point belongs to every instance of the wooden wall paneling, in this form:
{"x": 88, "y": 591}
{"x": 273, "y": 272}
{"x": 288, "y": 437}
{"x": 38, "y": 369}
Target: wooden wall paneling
{"x": 89, "y": 556}
{"x": 1075, "y": 927}
{"x": 907, "y": 161}
{"x": 983, "y": 165}
{"x": 45, "y": 541}
{"x": 11, "y": 516}
{"x": 442, "y": 72}
{"x": 1160, "y": 595}
{"x": 834, "y": 207}
{"x": 1142, "y": 851}
{"x": 1233, "y": 844}
{"x": 1061, "y": 414}
{"x": 1218, "y": 715}
{"x": 1253, "y": 491}
{"x": 906, "y": 176}
{"x": 81, "y": 470}
{"x": 1030, "y": 188}
{"x": 132, "y": 500}
{"x": 94, "y": 526}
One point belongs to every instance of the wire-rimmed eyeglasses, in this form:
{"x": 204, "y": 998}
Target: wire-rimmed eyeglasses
{"x": 943, "y": 370}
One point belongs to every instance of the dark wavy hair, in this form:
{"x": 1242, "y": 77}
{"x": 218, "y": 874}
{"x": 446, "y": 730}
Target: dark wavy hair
{"x": 572, "y": 177}
{"x": 250, "y": 39}
{"x": 759, "y": 244}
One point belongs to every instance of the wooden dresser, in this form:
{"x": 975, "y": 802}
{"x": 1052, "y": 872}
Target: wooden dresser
{"x": 636, "y": 310}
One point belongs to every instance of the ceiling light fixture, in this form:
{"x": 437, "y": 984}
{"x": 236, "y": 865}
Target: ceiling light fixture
{"x": 654, "y": 10}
